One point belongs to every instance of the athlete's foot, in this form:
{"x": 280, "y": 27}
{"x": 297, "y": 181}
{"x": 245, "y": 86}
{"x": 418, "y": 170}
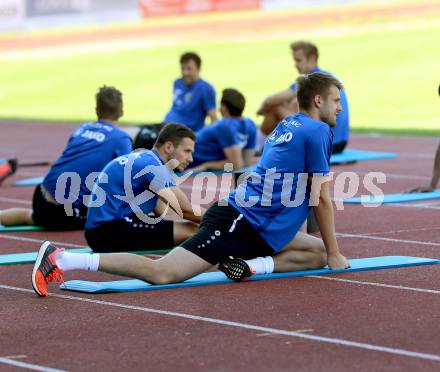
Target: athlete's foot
{"x": 236, "y": 269}
{"x": 46, "y": 269}
{"x": 7, "y": 169}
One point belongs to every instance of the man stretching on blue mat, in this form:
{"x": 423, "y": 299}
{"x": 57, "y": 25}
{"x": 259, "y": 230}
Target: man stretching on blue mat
{"x": 115, "y": 226}
{"x": 88, "y": 150}
{"x": 257, "y": 224}
{"x": 435, "y": 173}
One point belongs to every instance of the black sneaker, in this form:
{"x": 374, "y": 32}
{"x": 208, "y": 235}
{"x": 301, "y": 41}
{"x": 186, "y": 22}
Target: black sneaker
{"x": 236, "y": 269}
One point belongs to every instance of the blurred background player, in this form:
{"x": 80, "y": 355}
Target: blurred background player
{"x": 279, "y": 105}
{"x": 88, "y": 150}
{"x": 231, "y": 140}
{"x": 193, "y": 100}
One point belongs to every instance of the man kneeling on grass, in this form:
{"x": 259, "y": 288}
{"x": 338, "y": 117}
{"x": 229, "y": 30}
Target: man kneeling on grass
{"x": 257, "y": 229}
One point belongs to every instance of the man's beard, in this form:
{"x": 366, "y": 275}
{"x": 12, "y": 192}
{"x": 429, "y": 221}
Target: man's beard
{"x": 328, "y": 119}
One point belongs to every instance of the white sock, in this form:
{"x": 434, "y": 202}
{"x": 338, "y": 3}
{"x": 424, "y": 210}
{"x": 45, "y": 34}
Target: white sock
{"x": 77, "y": 261}
{"x": 262, "y": 265}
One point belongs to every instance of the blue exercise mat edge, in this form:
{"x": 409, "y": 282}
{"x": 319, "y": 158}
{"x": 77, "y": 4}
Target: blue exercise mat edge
{"x": 5, "y": 229}
{"x": 30, "y": 257}
{"x": 29, "y": 181}
{"x": 132, "y": 285}
{"x": 350, "y": 155}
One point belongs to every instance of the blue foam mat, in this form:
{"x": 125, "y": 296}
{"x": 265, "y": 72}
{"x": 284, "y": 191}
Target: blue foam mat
{"x": 4, "y": 229}
{"x": 395, "y": 198}
{"x": 133, "y": 285}
{"x": 352, "y": 155}
{"x": 29, "y": 181}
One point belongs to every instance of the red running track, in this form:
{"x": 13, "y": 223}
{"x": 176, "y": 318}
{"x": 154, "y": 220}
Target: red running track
{"x": 370, "y": 321}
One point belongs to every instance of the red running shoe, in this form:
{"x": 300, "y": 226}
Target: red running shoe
{"x": 46, "y": 269}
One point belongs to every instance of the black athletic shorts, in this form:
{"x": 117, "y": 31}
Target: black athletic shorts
{"x": 339, "y": 147}
{"x": 131, "y": 234}
{"x": 53, "y": 216}
{"x": 225, "y": 232}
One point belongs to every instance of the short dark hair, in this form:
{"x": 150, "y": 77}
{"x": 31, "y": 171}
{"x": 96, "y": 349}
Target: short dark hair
{"x": 191, "y": 56}
{"x": 234, "y": 101}
{"x": 307, "y": 47}
{"x": 108, "y": 103}
{"x": 175, "y": 133}
{"x": 310, "y": 85}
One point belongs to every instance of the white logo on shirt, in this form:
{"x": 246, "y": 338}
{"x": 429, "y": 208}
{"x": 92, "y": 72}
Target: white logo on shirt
{"x": 97, "y": 136}
{"x": 285, "y": 137}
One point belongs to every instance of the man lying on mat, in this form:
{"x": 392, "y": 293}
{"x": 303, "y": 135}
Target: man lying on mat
{"x": 88, "y": 150}
{"x": 116, "y": 225}
{"x": 253, "y": 225}
{"x": 230, "y": 140}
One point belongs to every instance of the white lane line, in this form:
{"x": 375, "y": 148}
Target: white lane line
{"x": 227, "y": 323}
{"x": 423, "y": 290}
{"x": 15, "y": 201}
{"x": 341, "y": 235}
{"x": 390, "y": 175}
{"x": 34, "y": 367}
{"x": 32, "y": 240}
{"x": 400, "y": 205}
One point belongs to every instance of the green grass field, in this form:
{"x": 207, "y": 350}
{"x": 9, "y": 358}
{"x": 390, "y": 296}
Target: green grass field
{"x": 391, "y": 77}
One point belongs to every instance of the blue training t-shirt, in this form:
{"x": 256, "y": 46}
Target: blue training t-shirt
{"x": 275, "y": 200}
{"x": 88, "y": 150}
{"x": 341, "y": 131}
{"x": 191, "y": 103}
{"x": 227, "y": 132}
{"x": 122, "y": 182}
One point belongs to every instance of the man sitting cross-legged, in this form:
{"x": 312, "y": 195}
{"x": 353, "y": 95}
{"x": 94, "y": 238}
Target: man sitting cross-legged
{"x": 258, "y": 222}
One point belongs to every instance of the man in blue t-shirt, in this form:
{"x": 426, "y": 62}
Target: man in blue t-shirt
{"x": 59, "y": 202}
{"x": 193, "y": 97}
{"x": 135, "y": 189}
{"x": 230, "y": 140}
{"x": 258, "y": 223}
{"x": 279, "y": 105}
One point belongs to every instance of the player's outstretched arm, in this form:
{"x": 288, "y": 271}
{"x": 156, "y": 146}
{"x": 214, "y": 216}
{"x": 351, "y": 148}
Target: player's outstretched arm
{"x": 276, "y": 99}
{"x": 325, "y": 220}
{"x": 435, "y": 176}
